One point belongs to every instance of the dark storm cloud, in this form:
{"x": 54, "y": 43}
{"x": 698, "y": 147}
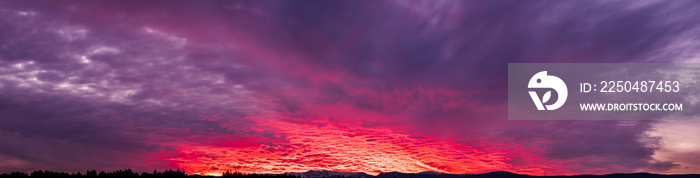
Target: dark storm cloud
{"x": 143, "y": 76}
{"x": 468, "y": 48}
{"x": 81, "y": 89}
{"x": 420, "y": 45}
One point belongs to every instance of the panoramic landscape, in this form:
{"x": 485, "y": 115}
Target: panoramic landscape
{"x": 128, "y": 173}
{"x": 346, "y": 88}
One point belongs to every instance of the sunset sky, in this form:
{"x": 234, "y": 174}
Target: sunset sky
{"x": 352, "y": 85}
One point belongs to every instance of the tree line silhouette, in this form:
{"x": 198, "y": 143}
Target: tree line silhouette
{"x": 128, "y": 173}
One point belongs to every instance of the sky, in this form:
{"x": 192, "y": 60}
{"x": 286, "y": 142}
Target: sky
{"x": 352, "y": 85}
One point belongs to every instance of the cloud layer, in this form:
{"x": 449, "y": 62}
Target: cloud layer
{"x": 372, "y": 86}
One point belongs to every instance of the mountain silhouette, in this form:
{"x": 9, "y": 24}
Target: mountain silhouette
{"x": 499, "y": 174}
{"x": 329, "y": 174}
{"x": 496, "y": 174}
{"x": 428, "y": 174}
{"x": 320, "y": 174}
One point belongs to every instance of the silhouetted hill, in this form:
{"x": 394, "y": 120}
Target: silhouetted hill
{"x": 499, "y": 174}
{"x": 317, "y": 174}
{"x": 329, "y": 174}
{"x": 420, "y": 175}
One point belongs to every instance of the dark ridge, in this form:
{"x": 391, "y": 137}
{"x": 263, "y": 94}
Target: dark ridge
{"x": 499, "y": 174}
{"x": 419, "y": 175}
{"x": 128, "y": 173}
{"x": 329, "y": 174}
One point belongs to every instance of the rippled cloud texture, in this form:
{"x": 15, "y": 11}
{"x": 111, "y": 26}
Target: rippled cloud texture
{"x": 285, "y": 86}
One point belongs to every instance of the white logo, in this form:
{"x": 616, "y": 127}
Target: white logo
{"x": 542, "y": 80}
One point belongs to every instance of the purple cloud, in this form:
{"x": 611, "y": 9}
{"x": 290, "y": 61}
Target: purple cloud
{"x": 187, "y": 84}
